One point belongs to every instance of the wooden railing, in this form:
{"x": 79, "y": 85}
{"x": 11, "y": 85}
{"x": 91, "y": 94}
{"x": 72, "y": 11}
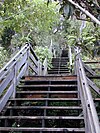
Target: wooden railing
{"x": 89, "y": 111}
{"x": 70, "y": 58}
{"x": 25, "y": 62}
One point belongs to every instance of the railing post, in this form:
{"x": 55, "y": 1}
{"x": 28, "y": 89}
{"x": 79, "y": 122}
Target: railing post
{"x": 70, "y": 58}
{"x": 45, "y": 67}
{"x": 28, "y": 52}
{"x": 39, "y": 67}
{"x": 54, "y": 53}
{"x": 14, "y": 80}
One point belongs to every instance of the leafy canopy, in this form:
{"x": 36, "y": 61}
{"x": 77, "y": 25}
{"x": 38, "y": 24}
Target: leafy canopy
{"x": 69, "y": 10}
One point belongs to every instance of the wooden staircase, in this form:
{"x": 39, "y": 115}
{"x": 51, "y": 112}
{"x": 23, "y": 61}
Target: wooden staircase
{"x": 44, "y": 104}
{"x": 60, "y": 64}
{"x": 48, "y": 103}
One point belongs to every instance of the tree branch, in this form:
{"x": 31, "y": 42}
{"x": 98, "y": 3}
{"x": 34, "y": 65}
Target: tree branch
{"x": 83, "y": 19}
{"x": 85, "y": 11}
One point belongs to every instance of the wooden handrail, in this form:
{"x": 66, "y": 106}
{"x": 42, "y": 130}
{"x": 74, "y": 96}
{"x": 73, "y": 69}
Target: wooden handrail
{"x": 23, "y": 63}
{"x": 89, "y": 111}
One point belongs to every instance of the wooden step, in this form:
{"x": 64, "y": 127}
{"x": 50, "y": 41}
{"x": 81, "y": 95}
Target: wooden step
{"x": 57, "y": 72}
{"x": 44, "y": 85}
{"x": 45, "y": 99}
{"x": 47, "y": 92}
{"x": 50, "y": 99}
{"x": 43, "y": 117}
{"x": 51, "y": 77}
{"x": 30, "y": 129}
{"x": 51, "y": 81}
{"x": 61, "y": 68}
{"x": 45, "y": 107}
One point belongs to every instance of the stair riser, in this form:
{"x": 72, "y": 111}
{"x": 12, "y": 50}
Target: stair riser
{"x": 47, "y": 123}
{"x": 51, "y": 88}
{"x": 52, "y": 78}
{"x": 45, "y": 95}
{"x": 60, "y": 72}
{"x": 41, "y": 112}
{"x": 60, "y": 82}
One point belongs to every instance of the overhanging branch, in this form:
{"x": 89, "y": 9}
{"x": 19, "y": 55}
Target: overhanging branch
{"x": 85, "y": 11}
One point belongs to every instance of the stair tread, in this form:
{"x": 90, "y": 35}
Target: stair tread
{"x": 42, "y": 117}
{"x": 52, "y": 81}
{"x": 55, "y": 70}
{"x": 43, "y": 107}
{"x": 40, "y": 129}
{"x": 49, "y": 99}
{"x": 45, "y": 85}
{"x": 38, "y": 92}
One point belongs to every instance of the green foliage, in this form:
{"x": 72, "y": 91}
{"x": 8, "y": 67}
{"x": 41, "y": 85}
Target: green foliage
{"x": 42, "y": 53}
{"x": 68, "y": 9}
{"x": 85, "y": 38}
{"x": 26, "y": 21}
{"x": 3, "y": 56}
{"x": 27, "y": 17}
{"x": 7, "y": 36}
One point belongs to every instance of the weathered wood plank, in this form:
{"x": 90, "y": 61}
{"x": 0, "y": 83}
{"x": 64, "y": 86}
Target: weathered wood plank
{"x": 22, "y": 61}
{"x": 22, "y": 72}
{"x": 93, "y": 86}
{"x": 33, "y": 59}
{"x": 44, "y": 85}
{"x": 50, "y": 92}
{"x": 5, "y": 98}
{"x": 45, "y": 67}
{"x": 89, "y": 69}
{"x": 45, "y": 99}
{"x": 45, "y": 107}
{"x": 34, "y": 54}
{"x": 6, "y": 81}
{"x": 89, "y": 110}
{"x": 43, "y": 117}
{"x": 34, "y": 68}
{"x": 42, "y": 129}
